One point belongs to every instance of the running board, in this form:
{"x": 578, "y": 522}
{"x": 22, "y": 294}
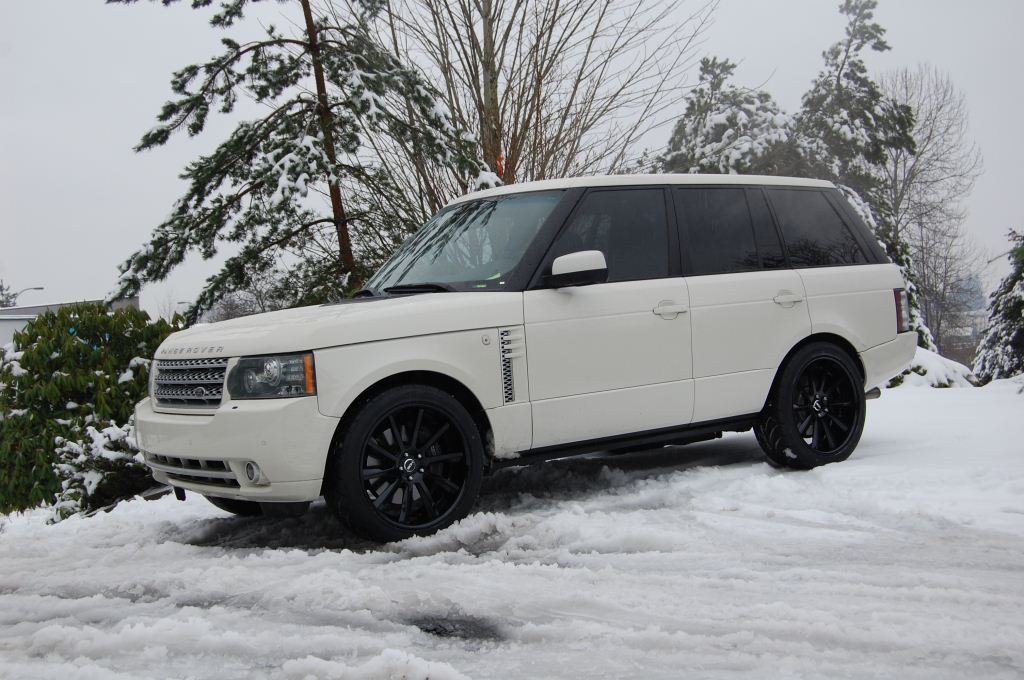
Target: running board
{"x": 873, "y": 393}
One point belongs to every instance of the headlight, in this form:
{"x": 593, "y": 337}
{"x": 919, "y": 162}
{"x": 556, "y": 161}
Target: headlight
{"x": 273, "y": 377}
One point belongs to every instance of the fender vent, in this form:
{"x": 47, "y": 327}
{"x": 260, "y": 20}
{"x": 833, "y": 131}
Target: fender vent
{"x": 510, "y": 341}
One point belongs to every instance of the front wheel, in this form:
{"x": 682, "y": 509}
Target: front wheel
{"x": 815, "y": 414}
{"x": 409, "y": 463}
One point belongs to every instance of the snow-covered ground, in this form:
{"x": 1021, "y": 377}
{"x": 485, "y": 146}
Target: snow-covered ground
{"x": 906, "y": 561}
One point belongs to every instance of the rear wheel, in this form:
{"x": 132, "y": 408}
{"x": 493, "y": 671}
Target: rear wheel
{"x": 410, "y": 462}
{"x": 815, "y": 415}
{"x": 236, "y": 507}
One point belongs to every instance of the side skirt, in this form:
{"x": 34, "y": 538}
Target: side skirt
{"x": 637, "y": 441}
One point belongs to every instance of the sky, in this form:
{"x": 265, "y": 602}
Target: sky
{"x": 76, "y": 200}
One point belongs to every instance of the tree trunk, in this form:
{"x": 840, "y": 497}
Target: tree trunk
{"x": 346, "y": 262}
{"x": 490, "y": 116}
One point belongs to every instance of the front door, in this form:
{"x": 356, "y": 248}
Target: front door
{"x": 611, "y": 358}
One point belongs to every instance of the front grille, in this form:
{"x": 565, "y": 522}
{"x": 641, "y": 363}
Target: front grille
{"x": 190, "y": 383}
{"x": 195, "y": 470}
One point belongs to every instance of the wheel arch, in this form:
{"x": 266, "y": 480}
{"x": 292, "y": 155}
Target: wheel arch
{"x": 837, "y": 340}
{"x": 456, "y": 388}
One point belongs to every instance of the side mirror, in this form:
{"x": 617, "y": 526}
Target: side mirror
{"x": 577, "y": 269}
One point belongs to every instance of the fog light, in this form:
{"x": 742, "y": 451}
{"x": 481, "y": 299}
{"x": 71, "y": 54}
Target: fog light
{"x": 253, "y": 472}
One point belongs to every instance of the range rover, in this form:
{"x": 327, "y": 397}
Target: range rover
{"x": 536, "y": 321}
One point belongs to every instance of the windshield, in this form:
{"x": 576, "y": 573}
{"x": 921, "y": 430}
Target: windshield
{"x": 470, "y": 246}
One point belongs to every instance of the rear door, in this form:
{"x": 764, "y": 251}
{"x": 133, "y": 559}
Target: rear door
{"x": 612, "y": 358}
{"x": 747, "y": 306}
{"x": 846, "y": 277}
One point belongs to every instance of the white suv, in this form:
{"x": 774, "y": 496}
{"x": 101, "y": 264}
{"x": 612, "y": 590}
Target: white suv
{"x": 536, "y": 321}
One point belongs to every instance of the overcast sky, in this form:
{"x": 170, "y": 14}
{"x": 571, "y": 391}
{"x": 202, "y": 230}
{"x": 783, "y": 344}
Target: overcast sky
{"x": 80, "y": 81}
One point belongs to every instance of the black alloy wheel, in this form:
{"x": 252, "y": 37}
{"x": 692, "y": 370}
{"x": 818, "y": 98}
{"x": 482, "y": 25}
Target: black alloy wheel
{"x": 825, "y": 407}
{"x": 409, "y": 463}
{"x": 815, "y": 414}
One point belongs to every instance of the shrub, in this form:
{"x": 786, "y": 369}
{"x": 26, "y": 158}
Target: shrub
{"x": 68, "y": 387}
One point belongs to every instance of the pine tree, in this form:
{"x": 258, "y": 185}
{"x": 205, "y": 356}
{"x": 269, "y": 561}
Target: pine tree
{"x": 843, "y": 130}
{"x": 1001, "y": 352}
{"x": 329, "y": 91}
{"x": 840, "y": 133}
{"x": 726, "y": 129}
{"x": 7, "y": 298}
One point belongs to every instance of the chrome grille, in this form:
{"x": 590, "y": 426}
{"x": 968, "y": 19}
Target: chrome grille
{"x": 195, "y": 470}
{"x": 190, "y": 383}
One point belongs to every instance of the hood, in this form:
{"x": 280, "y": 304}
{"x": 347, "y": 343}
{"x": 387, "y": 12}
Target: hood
{"x": 346, "y": 323}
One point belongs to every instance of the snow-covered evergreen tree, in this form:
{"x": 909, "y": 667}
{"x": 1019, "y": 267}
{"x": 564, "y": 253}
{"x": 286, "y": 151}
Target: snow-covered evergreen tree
{"x": 840, "y": 133}
{"x": 329, "y": 90}
{"x": 1001, "y": 352}
{"x": 726, "y": 129}
{"x": 7, "y": 298}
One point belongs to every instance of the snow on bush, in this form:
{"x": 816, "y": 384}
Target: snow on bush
{"x": 68, "y": 387}
{"x": 934, "y": 370}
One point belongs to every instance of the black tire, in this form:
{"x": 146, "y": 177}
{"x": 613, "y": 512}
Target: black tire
{"x": 236, "y": 507}
{"x": 408, "y": 463}
{"x": 815, "y": 414}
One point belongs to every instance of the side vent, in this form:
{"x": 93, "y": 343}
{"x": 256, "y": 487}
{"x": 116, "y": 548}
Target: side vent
{"x": 510, "y": 341}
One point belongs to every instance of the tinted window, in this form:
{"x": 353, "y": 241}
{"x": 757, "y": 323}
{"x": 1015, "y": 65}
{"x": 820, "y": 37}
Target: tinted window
{"x": 719, "y": 234}
{"x": 814, "y": 233}
{"x": 768, "y": 245}
{"x": 628, "y": 225}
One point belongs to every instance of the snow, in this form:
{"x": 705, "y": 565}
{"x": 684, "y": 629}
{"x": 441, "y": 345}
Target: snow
{"x": 934, "y": 370}
{"x": 700, "y": 561}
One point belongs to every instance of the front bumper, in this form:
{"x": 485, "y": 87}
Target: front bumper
{"x": 288, "y": 438}
{"x": 889, "y": 359}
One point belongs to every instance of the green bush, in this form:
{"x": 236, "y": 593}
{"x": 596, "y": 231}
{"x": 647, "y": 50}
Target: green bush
{"x": 68, "y": 387}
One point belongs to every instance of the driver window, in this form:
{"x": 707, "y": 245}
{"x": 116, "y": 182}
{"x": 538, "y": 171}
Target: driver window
{"x": 629, "y": 226}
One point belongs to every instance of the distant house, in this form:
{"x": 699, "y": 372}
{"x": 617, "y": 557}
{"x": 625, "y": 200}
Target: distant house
{"x": 13, "y": 319}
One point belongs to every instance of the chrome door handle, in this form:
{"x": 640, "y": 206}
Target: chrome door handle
{"x": 667, "y": 309}
{"x": 787, "y": 299}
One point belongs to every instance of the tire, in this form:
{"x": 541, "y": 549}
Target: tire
{"x": 236, "y": 507}
{"x": 815, "y": 414}
{"x": 408, "y": 463}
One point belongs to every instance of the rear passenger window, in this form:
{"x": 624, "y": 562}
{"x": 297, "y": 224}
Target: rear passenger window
{"x": 719, "y": 234}
{"x": 814, "y": 233}
{"x": 629, "y": 226}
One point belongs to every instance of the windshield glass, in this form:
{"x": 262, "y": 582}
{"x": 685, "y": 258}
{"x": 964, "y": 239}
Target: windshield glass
{"x": 471, "y": 246}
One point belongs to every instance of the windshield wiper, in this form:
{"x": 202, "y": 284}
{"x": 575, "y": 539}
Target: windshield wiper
{"x": 365, "y": 292}
{"x": 415, "y": 288}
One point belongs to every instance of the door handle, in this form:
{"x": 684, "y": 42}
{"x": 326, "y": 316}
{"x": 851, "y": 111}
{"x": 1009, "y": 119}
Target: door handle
{"x": 667, "y": 309}
{"x": 787, "y": 299}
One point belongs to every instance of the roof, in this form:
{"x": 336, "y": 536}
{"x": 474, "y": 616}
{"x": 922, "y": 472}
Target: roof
{"x": 633, "y": 180}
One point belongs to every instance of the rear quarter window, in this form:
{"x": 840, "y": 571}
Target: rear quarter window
{"x": 815, "y": 234}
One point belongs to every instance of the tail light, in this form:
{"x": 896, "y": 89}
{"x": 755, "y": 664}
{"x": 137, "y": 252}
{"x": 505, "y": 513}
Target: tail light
{"x": 902, "y": 310}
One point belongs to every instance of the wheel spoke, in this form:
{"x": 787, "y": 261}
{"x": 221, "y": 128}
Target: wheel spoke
{"x": 396, "y": 432}
{"x": 843, "y": 426}
{"x": 802, "y": 427}
{"x": 828, "y": 434}
{"x": 437, "y": 435}
{"x": 428, "y": 499}
{"x": 377, "y": 448}
{"x": 416, "y": 429}
{"x": 442, "y": 458}
{"x": 387, "y": 494}
{"x": 373, "y": 473}
{"x": 816, "y": 436}
{"x": 403, "y": 515}
{"x": 443, "y": 483}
